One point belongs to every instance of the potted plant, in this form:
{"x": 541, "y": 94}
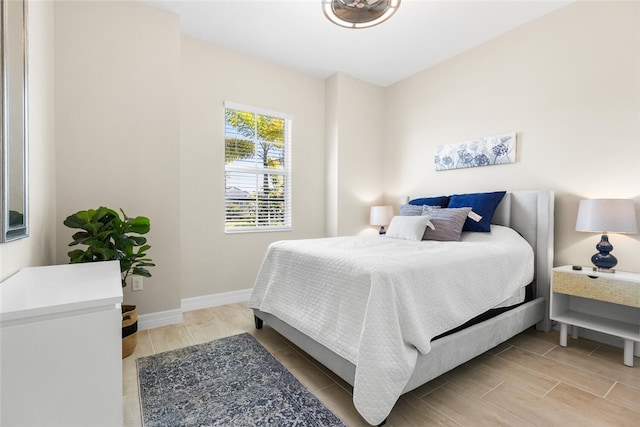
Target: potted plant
{"x": 108, "y": 236}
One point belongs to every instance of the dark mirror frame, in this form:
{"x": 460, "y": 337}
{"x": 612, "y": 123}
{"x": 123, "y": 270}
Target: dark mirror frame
{"x": 13, "y": 126}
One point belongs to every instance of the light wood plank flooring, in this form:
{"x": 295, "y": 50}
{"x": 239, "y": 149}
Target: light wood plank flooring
{"x": 527, "y": 381}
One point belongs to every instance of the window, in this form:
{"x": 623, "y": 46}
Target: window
{"x": 257, "y": 169}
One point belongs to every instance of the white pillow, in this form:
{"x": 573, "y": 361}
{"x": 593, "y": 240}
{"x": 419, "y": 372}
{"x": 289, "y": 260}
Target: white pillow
{"x": 409, "y": 227}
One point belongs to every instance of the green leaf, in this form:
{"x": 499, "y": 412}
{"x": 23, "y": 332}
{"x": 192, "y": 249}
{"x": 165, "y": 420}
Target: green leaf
{"x": 125, "y": 264}
{"x": 139, "y": 271}
{"x": 137, "y": 240}
{"x": 76, "y": 256}
{"x": 142, "y": 249}
{"x": 139, "y": 225}
{"x": 105, "y": 254}
{"x": 73, "y": 221}
{"x": 146, "y": 264}
{"x": 86, "y": 216}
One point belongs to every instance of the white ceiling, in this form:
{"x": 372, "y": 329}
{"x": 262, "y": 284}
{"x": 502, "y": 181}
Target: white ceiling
{"x": 296, "y": 34}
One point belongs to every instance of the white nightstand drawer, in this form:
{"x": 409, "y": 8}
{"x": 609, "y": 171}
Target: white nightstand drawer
{"x": 599, "y": 288}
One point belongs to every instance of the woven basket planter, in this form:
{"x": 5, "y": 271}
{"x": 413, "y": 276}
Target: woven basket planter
{"x": 129, "y": 329}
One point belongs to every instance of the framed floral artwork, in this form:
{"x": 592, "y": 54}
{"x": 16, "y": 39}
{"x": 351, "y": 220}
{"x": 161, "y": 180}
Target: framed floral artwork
{"x": 487, "y": 151}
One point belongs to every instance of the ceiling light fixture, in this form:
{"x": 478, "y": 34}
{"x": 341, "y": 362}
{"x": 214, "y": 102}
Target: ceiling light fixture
{"x": 359, "y": 13}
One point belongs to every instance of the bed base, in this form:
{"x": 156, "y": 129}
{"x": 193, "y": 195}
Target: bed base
{"x": 446, "y": 353}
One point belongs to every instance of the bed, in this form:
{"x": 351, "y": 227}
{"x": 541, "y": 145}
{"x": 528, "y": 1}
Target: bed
{"x": 382, "y": 325}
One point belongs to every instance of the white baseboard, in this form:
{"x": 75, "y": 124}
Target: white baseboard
{"x": 171, "y": 317}
{"x": 214, "y": 300}
{"x": 161, "y": 318}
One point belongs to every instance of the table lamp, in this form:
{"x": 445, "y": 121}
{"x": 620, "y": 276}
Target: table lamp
{"x": 603, "y": 216}
{"x": 381, "y": 215}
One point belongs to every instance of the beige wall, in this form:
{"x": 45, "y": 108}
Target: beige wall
{"x": 354, "y": 163}
{"x": 139, "y": 125}
{"x": 118, "y": 128}
{"x": 39, "y": 247}
{"x": 331, "y": 155}
{"x": 212, "y": 261}
{"x": 568, "y": 84}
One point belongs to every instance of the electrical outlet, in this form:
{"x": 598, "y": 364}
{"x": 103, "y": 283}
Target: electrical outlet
{"x": 136, "y": 283}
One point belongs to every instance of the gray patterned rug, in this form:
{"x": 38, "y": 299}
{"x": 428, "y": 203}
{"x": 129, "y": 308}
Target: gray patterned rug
{"x": 232, "y": 381}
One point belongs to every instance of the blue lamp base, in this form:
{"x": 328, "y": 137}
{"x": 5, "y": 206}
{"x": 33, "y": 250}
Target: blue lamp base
{"x": 603, "y": 260}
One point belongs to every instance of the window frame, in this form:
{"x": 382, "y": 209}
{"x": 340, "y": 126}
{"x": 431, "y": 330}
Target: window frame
{"x": 285, "y": 171}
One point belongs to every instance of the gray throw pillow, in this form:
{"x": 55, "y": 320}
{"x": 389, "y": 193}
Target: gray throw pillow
{"x": 447, "y": 223}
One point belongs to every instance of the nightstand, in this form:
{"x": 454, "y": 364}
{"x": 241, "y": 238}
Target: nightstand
{"x": 569, "y": 286}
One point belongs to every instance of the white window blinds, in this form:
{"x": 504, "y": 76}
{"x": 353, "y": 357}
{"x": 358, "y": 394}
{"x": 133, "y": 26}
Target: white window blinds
{"x": 257, "y": 169}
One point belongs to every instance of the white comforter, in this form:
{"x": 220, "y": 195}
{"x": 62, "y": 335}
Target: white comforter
{"x": 378, "y": 301}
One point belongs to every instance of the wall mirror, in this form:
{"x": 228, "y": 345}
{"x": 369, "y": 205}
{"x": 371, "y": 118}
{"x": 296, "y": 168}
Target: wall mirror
{"x": 14, "y": 208}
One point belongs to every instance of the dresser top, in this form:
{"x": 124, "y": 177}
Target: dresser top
{"x": 59, "y": 289}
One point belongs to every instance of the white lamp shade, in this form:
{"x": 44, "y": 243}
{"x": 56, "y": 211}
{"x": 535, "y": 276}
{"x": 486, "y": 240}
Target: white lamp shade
{"x": 381, "y": 215}
{"x": 607, "y": 215}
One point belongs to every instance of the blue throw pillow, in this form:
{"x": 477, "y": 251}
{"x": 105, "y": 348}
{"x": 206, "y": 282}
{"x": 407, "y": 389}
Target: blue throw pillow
{"x": 442, "y": 201}
{"x": 483, "y": 204}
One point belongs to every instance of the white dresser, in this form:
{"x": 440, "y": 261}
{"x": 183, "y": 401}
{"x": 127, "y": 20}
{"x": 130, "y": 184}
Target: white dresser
{"x": 60, "y": 346}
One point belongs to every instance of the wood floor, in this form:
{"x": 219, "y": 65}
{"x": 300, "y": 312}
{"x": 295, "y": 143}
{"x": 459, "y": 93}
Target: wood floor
{"x": 527, "y": 381}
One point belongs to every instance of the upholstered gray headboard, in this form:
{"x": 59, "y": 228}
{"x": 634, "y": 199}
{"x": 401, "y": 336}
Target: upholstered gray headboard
{"x": 531, "y": 214}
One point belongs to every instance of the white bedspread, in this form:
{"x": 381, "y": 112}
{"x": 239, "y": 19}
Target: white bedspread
{"x": 378, "y": 301}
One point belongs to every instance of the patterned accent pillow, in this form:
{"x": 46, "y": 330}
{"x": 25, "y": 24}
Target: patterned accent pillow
{"x": 447, "y": 223}
{"x": 414, "y": 210}
{"x": 410, "y": 210}
{"x": 408, "y": 227}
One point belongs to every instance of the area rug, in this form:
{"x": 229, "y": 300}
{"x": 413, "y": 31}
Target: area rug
{"x": 232, "y": 381}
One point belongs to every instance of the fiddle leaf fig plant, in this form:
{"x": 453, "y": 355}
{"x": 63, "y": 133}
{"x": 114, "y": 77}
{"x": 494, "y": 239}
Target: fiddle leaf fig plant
{"x": 109, "y": 236}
